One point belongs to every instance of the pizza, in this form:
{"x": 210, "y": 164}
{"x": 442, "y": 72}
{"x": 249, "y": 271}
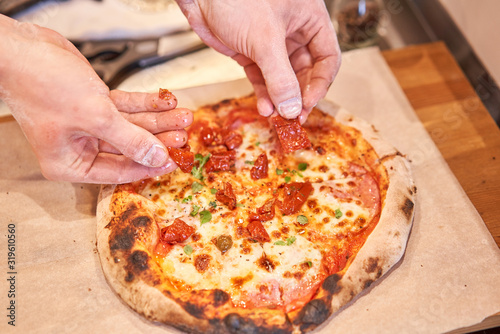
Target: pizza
{"x": 267, "y": 226}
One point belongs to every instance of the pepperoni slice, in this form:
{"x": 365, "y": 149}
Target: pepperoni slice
{"x": 208, "y": 135}
{"x": 232, "y": 139}
{"x": 258, "y": 231}
{"x": 226, "y": 196}
{"x": 165, "y": 94}
{"x": 260, "y": 167}
{"x": 291, "y": 134}
{"x": 182, "y": 157}
{"x": 265, "y": 212}
{"x": 215, "y": 136}
{"x": 177, "y": 232}
{"x": 296, "y": 194}
{"x": 220, "y": 162}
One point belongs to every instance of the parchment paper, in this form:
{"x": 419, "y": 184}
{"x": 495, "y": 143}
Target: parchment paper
{"x": 449, "y": 277}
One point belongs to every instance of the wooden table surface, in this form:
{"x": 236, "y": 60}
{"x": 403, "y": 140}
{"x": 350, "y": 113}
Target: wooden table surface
{"x": 457, "y": 121}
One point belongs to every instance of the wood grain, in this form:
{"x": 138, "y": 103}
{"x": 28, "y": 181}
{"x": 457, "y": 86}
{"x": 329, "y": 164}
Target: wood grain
{"x": 457, "y": 121}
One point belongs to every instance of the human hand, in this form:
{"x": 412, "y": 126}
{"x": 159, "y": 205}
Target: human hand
{"x": 79, "y": 130}
{"x": 288, "y": 47}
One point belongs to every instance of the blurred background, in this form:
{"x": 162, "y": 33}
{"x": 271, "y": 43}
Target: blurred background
{"x": 468, "y": 28}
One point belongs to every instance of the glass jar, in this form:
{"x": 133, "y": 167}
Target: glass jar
{"x": 356, "y": 22}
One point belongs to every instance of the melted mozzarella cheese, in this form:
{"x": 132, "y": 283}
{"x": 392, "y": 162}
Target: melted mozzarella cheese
{"x": 269, "y": 273}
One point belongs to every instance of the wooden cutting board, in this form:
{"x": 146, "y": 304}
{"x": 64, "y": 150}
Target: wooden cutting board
{"x": 457, "y": 121}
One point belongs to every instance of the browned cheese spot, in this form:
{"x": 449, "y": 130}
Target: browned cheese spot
{"x": 201, "y": 262}
{"x": 238, "y": 282}
{"x": 266, "y": 263}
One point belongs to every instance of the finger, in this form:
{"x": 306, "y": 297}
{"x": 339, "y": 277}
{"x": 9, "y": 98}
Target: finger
{"x": 282, "y": 84}
{"x": 169, "y": 139}
{"x": 264, "y": 104}
{"x": 110, "y": 169}
{"x": 326, "y": 56}
{"x": 156, "y": 122}
{"x": 133, "y": 141}
{"x": 192, "y": 11}
{"x": 136, "y": 102}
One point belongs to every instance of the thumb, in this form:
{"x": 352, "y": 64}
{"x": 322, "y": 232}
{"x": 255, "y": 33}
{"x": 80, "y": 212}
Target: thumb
{"x": 135, "y": 142}
{"x": 281, "y": 81}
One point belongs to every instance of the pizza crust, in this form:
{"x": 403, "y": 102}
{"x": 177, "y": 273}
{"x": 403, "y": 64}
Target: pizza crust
{"x": 144, "y": 299}
{"x": 382, "y": 250}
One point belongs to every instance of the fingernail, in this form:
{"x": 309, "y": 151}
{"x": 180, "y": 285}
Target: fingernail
{"x": 155, "y": 157}
{"x": 290, "y": 108}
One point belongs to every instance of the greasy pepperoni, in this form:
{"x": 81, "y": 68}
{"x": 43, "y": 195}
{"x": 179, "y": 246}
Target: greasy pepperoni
{"x": 162, "y": 249}
{"x": 295, "y": 195}
{"x": 182, "y": 157}
{"x": 258, "y": 231}
{"x": 260, "y": 167}
{"x": 207, "y": 135}
{"x": 165, "y": 94}
{"x": 232, "y": 139}
{"x": 177, "y": 232}
{"x": 226, "y": 196}
{"x": 265, "y": 212}
{"x": 291, "y": 134}
{"x": 219, "y": 162}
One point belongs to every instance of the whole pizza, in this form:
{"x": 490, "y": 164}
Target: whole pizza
{"x": 267, "y": 226}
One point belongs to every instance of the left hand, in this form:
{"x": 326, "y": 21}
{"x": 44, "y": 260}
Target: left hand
{"x": 288, "y": 48}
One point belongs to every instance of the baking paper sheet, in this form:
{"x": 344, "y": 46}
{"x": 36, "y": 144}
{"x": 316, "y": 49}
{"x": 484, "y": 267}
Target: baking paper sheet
{"x": 449, "y": 277}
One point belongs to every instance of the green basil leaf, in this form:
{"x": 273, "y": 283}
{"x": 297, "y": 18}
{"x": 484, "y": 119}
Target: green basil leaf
{"x": 196, "y": 187}
{"x": 195, "y": 210}
{"x": 302, "y": 220}
{"x": 205, "y": 217}
{"x": 188, "y": 250}
{"x": 302, "y": 166}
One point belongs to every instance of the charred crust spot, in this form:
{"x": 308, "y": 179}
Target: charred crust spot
{"x": 372, "y": 265}
{"x": 367, "y": 284}
{"x": 139, "y": 260}
{"x": 195, "y": 310}
{"x": 331, "y": 285}
{"x": 124, "y": 240}
{"x": 220, "y": 297}
{"x": 314, "y": 313}
{"x": 141, "y": 221}
{"x": 412, "y": 190}
{"x": 407, "y": 208}
{"x": 237, "y": 324}
{"x": 130, "y": 277}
